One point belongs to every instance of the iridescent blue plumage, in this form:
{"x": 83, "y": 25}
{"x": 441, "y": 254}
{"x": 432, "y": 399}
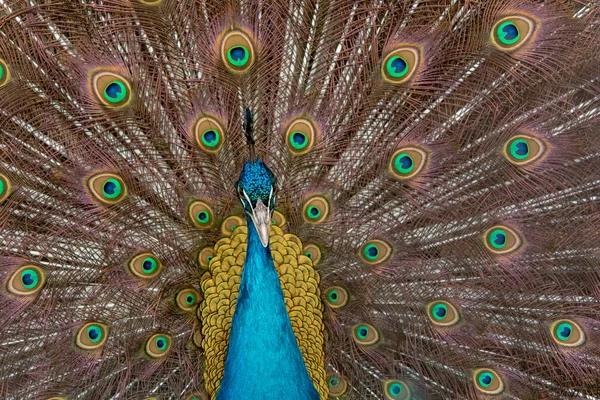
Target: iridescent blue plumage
{"x": 263, "y": 358}
{"x": 256, "y": 180}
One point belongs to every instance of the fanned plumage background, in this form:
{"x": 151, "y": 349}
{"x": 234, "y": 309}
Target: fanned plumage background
{"x": 320, "y": 59}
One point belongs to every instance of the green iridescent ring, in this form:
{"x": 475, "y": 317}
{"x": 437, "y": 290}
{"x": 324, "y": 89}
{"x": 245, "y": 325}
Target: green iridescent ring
{"x": 98, "y": 332}
{"x": 501, "y": 34}
{"x": 212, "y": 143}
{"x": 120, "y": 96}
{"x": 33, "y": 278}
{"x": 391, "y": 69}
{"x": 493, "y": 235}
{"x": 311, "y": 214}
{"x": 295, "y": 144}
{"x": 239, "y": 62}
{"x": 153, "y": 265}
{"x": 398, "y": 164}
{"x": 367, "y": 251}
{"x": 435, "y": 314}
{"x": 203, "y": 217}
{"x": 117, "y": 191}
{"x": 514, "y": 148}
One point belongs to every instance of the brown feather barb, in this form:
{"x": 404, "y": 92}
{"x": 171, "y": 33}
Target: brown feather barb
{"x": 438, "y": 167}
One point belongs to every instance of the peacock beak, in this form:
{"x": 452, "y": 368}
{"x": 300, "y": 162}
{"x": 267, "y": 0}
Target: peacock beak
{"x": 261, "y": 217}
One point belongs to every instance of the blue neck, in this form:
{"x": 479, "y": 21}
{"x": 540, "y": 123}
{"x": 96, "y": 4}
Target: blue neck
{"x": 263, "y": 358}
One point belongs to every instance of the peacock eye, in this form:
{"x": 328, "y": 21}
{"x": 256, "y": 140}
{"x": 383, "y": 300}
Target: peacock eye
{"x": 522, "y": 150}
{"x": 145, "y": 265}
{"x": 313, "y": 252}
{"x": 204, "y": 257}
{"x": 209, "y": 134}
{"x": 197, "y": 336}
{"x": 5, "y": 188}
{"x": 375, "y": 252}
{"x": 107, "y": 188}
{"x": 442, "y": 313}
{"x": 337, "y": 385}
{"x": 567, "y": 333}
{"x": 278, "y": 219}
{"x": 186, "y": 299}
{"x": 237, "y": 51}
{"x": 26, "y": 281}
{"x": 158, "y": 345}
{"x": 407, "y": 162}
{"x": 315, "y": 210}
{"x": 502, "y": 240}
{"x": 300, "y": 135}
{"x": 396, "y": 390}
{"x": 91, "y": 336}
{"x": 200, "y": 214}
{"x": 4, "y": 73}
{"x": 365, "y": 334}
{"x": 336, "y": 297}
{"x": 400, "y": 65}
{"x": 512, "y": 32}
{"x": 111, "y": 89}
{"x": 488, "y": 381}
{"x": 230, "y": 223}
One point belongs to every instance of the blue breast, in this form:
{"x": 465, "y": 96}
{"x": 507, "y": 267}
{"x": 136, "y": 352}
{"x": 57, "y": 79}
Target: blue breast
{"x": 263, "y": 359}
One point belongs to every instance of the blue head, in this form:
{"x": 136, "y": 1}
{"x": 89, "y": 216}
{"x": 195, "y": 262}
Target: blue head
{"x": 257, "y": 190}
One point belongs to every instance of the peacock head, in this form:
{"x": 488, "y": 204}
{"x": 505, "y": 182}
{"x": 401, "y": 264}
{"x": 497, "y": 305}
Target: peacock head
{"x": 257, "y": 190}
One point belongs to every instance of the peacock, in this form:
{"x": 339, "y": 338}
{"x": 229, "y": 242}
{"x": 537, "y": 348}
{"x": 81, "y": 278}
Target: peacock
{"x": 299, "y": 199}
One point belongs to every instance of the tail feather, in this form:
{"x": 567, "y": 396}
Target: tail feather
{"x": 441, "y": 302}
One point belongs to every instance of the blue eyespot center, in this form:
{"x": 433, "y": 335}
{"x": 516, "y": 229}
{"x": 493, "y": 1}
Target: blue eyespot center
{"x": 396, "y": 389}
{"x": 210, "y": 136}
{"x": 160, "y": 343}
{"x": 314, "y": 211}
{"x": 564, "y": 331}
{"x": 500, "y": 239}
{"x": 299, "y": 138}
{"x": 333, "y": 296}
{"x": 189, "y": 299}
{"x": 363, "y": 332}
{"x": 399, "y": 65}
{"x": 510, "y": 31}
{"x": 202, "y": 216}
{"x": 147, "y": 265}
{"x": 521, "y": 148}
{"x": 373, "y": 251}
{"x": 110, "y": 187}
{"x": 114, "y": 90}
{"x": 238, "y": 53}
{"x": 403, "y": 163}
{"x": 93, "y": 334}
{"x": 406, "y": 162}
{"x": 486, "y": 379}
{"x": 440, "y": 312}
{"x": 27, "y": 279}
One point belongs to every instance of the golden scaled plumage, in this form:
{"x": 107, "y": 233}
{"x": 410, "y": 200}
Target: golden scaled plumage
{"x": 300, "y": 285}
